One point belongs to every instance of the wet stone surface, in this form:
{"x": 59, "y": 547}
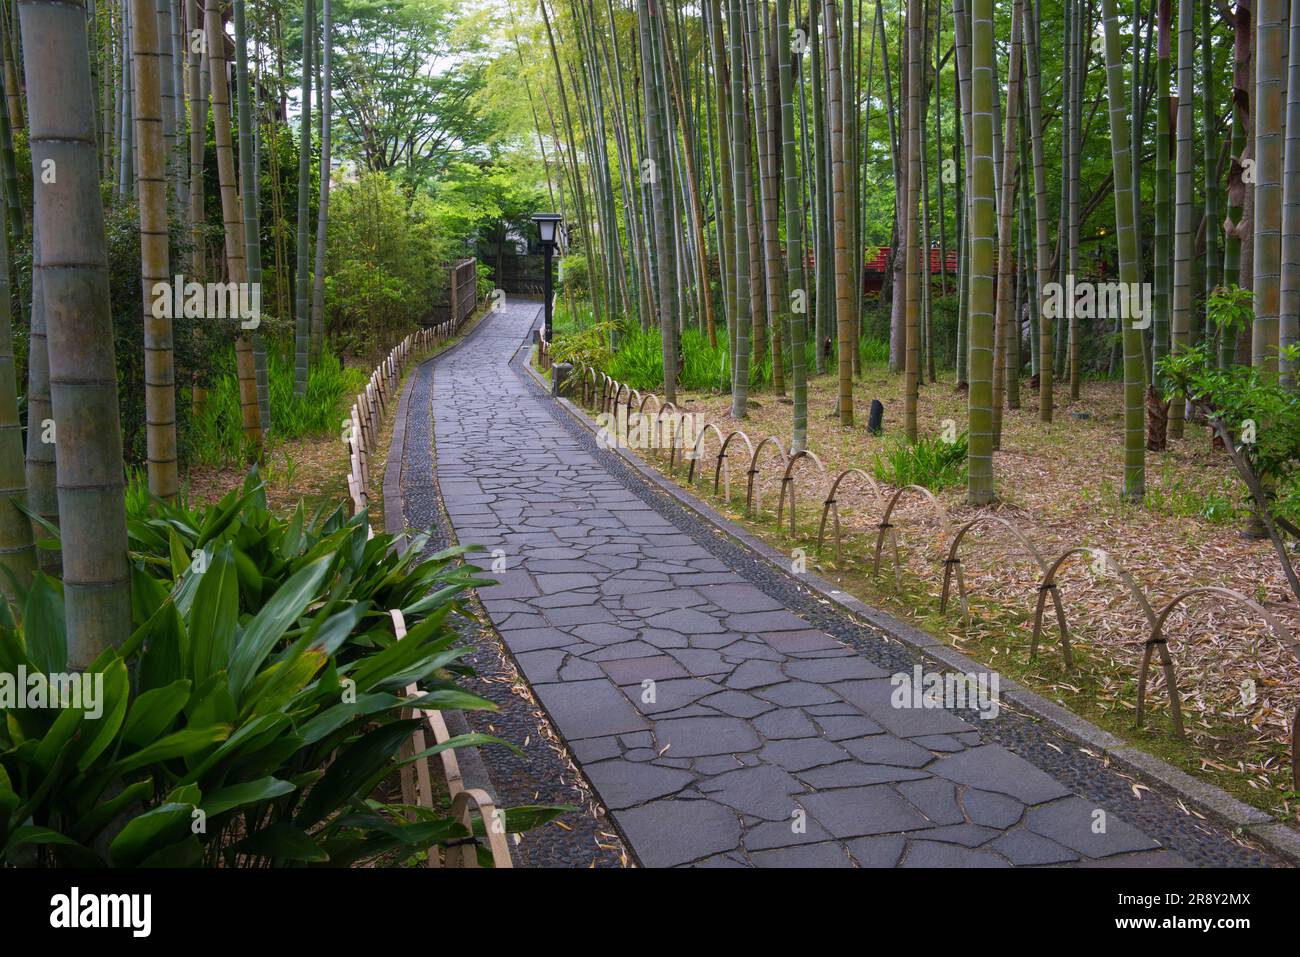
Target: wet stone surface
{"x": 723, "y": 714}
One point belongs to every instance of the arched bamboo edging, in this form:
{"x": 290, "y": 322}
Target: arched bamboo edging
{"x": 787, "y": 481}
{"x": 698, "y": 451}
{"x": 1049, "y": 584}
{"x": 831, "y": 506}
{"x": 953, "y": 562}
{"x": 944, "y": 524}
{"x": 753, "y": 469}
{"x": 417, "y": 784}
{"x": 1280, "y": 631}
{"x": 640, "y": 409}
{"x": 656, "y": 428}
{"x": 722, "y": 457}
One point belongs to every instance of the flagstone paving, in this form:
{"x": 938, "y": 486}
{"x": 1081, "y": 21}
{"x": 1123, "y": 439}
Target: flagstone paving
{"x": 723, "y": 716}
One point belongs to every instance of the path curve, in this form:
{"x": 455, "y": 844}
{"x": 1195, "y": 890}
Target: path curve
{"x": 722, "y": 714}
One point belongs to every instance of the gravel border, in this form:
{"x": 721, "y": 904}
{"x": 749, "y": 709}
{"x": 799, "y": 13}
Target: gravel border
{"x": 544, "y": 773}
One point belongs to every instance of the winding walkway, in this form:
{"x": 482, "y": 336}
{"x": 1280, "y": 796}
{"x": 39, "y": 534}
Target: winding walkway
{"x": 700, "y": 691}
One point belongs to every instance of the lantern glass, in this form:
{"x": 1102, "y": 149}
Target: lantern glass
{"x": 546, "y": 224}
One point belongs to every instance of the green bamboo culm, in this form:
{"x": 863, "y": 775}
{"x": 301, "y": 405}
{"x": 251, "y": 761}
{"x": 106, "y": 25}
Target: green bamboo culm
{"x": 1163, "y": 198}
{"x": 151, "y": 188}
{"x": 1289, "y": 301}
{"x": 1180, "y": 333}
{"x": 1134, "y": 373}
{"x": 1267, "y": 106}
{"x": 739, "y": 171}
{"x": 798, "y": 304}
{"x": 980, "y": 489}
{"x": 83, "y": 368}
{"x": 1043, "y": 245}
{"x": 839, "y": 217}
{"x": 660, "y": 166}
{"x": 17, "y": 553}
{"x": 252, "y": 226}
{"x": 302, "y": 302}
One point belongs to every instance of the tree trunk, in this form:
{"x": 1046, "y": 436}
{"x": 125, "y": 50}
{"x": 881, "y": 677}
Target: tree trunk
{"x": 155, "y": 274}
{"x": 1134, "y": 375}
{"x": 302, "y": 277}
{"x": 232, "y": 218}
{"x": 843, "y": 282}
{"x": 83, "y": 370}
{"x": 322, "y": 215}
{"x": 980, "y": 489}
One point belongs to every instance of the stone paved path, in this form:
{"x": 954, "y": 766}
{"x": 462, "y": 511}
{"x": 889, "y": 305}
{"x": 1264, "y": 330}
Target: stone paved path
{"x": 767, "y": 742}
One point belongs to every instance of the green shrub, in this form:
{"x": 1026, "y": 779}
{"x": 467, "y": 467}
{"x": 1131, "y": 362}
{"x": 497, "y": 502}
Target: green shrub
{"x": 218, "y": 435}
{"x": 253, "y": 711}
{"x": 573, "y": 276}
{"x": 930, "y": 462}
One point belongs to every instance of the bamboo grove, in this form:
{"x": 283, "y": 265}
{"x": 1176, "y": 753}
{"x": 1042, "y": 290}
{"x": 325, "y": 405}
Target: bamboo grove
{"x": 1096, "y": 171}
{"x": 127, "y": 110}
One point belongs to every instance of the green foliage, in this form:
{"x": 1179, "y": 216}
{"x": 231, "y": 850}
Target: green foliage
{"x": 931, "y": 463}
{"x": 639, "y": 362}
{"x": 408, "y": 74}
{"x": 386, "y": 262}
{"x": 574, "y": 280}
{"x": 217, "y": 434}
{"x": 1263, "y": 416}
{"x": 1230, "y": 309}
{"x": 1174, "y": 496}
{"x": 589, "y": 345}
{"x": 255, "y": 708}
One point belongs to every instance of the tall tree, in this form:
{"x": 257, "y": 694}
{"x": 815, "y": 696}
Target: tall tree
{"x": 83, "y": 370}
{"x": 1122, "y": 171}
{"x": 1270, "y": 54}
{"x": 1160, "y": 320}
{"x": 322, "y": 214}
{"x": 1006, "y": 373}
{"x": 232, "y": 217}
{"x": 740, "y": 173}
{"x": 151, "y": 188}
{"x": 843, "y": 280}
{"x": 1043, "y": 244}
{"x": 980, "y": 324}
{"x": 302, "y": 278}
{"x": 1180, "y": 333}
{"x": 248, "y": 173}
{"x": 659, "y": 172}
{"x": 1289, "y": 299}
{"x": 794, "y": 255}
{"x": 915, "y": 107}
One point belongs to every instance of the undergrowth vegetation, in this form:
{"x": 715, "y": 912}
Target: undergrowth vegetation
{"x": 255, "y": 711}
{"x": 218, "y": 437}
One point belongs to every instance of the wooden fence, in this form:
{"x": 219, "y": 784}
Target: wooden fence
{"x": 464, "y": 290}
{"x": 361, "y": 432}
{"x": 362, "y": 427}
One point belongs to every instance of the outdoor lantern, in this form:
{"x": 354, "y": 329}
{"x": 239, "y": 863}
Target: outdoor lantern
{"x": 547, "y": 223}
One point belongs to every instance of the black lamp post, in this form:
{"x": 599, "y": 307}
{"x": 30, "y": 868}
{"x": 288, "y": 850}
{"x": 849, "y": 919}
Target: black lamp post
{"x": 547, "y": 224}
